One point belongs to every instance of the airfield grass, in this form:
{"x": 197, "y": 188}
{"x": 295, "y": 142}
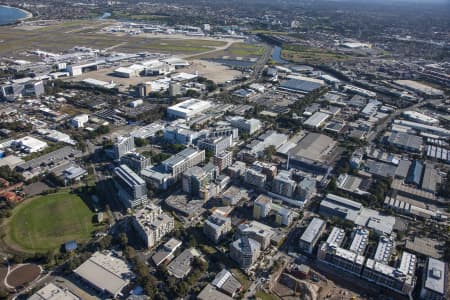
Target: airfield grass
{"x": 242, "y": 49}
{"x": 46, "y": 222}
{"x": 61, "y": 37}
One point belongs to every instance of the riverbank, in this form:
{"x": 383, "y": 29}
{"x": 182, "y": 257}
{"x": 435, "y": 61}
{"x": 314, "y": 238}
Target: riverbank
{"x": 28, "y": 14}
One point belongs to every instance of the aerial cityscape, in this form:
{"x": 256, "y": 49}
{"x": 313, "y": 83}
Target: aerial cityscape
{"x": 218, "y": 150}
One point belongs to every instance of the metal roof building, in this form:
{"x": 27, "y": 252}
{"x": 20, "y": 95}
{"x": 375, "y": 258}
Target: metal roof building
{"x": 105, "y": 273}
{"x": 415, "y": 173}
{"x": 300, "y": 86}
{"x": 311, "y": 235}
{"x": 317, "y": 119}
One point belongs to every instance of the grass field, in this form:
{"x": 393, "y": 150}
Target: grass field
{"x": 309, "y": 55}
{"x": 265, "y": 296}
{"x": 14, "y": 41}
{"x": 46, "y": 222}
{"x": 241, "y": 49}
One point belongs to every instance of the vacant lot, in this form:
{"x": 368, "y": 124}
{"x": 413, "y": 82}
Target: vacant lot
{"x": 46, "y": 222}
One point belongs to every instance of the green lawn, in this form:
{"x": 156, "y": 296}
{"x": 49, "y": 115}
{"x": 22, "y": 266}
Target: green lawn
{"x": 242, "y": 49}
{"x": 265, "y": 296}
{"x": 46, "y": 222}
{"x": 310, "y": 55}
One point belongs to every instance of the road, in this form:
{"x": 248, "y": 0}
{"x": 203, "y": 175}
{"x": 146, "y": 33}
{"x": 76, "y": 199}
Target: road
{"x": 216, "y": 49}
{"x": 257, "y": 71}
{"x": 381, "y": 127}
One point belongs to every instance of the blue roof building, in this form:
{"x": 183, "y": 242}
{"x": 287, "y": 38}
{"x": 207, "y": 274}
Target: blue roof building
{"x": 415, "y": 173}
{"x": 70, "y": 246}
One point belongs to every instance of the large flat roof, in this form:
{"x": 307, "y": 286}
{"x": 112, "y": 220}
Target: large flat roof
{"x": 436, "y": 278}
{"x": 105, "y": 272}
{"x": 189, "y": 107}
{"x": 314, "y": 146}
{"x": 300, "y": 85}
{"x": 210, "y": 292}
{"x": 53, "y": 292}
{"x": 314, "y": 228}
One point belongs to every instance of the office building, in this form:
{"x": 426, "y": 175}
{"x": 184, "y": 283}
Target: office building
{"x": 216, "y": 227}
{"x": 73, "y": 174}
{"x": 284, "y": 185}
{"x": 262, "y": 207}
{"x": 225, "y": 131}
{"x": 152, "y": 224}
{"x": 123, "y": 145}
{"x": 245, "y": 251}
{"x": 105, "y": 273}
{"x": 306, "y": 189}
{"x": 255, "y": 177}
{"x": 53, "y": 292}
{"x": 360, "y": 240}
{"x": 29, "y": 144}
{"x": 210, "y": 292}
{"x": 182, "y": 264}
{"x": 341, "y": 258}
{"x": 258, "y": 232}
{"x": 311, "y": 235}
{"x": 401, "y": 279}
{"x": 237, "y": 170}
{"x": 343, "y": 208}
{"x": 216, "y": 145}
{"x": 132, "y": 189}
{"x": 180, "y": 134}
{"x": 249, "y": 126}
{"x": 166, "y": 252}
{"x": 136, "y": 161}
{"x": 385, "y": 248}
{"x": 23, "y": 87}
{"x": 183, "y": 160}
{"x": 174, "y": 89}
{"x": 188, "y": 109}
{"x": 57, "y": 159}
{"x": 434, "y": 280}
{"x": 196, "y": 179}
{"x": 223, "y": 160}
{"x": 79, "y": 121}
{"x": 283, "y": 216}
{"x": 227, "y": 283}
{"x": 257, "y": 148}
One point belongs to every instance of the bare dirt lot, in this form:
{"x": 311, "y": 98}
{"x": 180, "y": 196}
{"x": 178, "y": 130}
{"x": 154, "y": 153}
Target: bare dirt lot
{"x": 3, "y": 273}
{"x": 213, "y": 71}
{"x": 23, "y": 274}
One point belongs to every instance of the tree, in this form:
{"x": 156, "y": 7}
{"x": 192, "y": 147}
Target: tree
{"x": 192, "y": 93}
{"x": 102, "y": 130}
{"x": 130, "y": 253}
{"x": 139, "y": 142}
{"x": 123, "y": 240}
{"x": 105, "y": 242}
{"x": 269, "y": 152}
{"x": 211, "y": 86}
{"x": 3, "y": 293}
